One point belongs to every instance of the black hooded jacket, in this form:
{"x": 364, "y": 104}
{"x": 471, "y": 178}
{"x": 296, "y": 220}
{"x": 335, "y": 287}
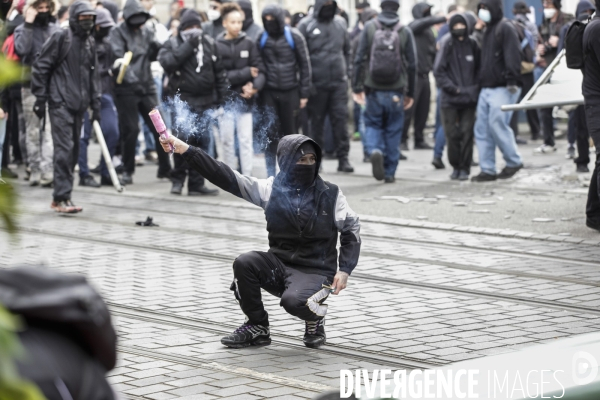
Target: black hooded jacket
{"x": 500, "y": 50}
{"x": 457, "y": 68}
{"x": 328, "y": 44}
{"x": 286, "y": 68}
{"x": 29, "y": 39}
{"x": 143, "y": 44}
{"x": 591, "y": 71}
{"x": 323, "y": 205}
{"x": 252, "y": 29}
{"x": 548, "y": 29}
{"x": 424, "y": 37}
{"x": 72, "y": 82}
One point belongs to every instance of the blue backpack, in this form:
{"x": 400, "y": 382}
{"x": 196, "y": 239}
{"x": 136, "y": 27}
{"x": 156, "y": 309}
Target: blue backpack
{"x": 287, "y": 32}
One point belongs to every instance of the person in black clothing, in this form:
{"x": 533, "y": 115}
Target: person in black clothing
{"x": 457, "y": 74}
{"x": 251, "y": 28}
{"x": 137, "y": 94}
{"x": 304, "y": 217}
{"x": 195, "y": 70}
{"x": 426, "y": 50}
{"x": 65, "y": 77}
{"x": 287, "y": 69}
{"x": 591, "y": 95}
{"x": 329, "y": 48}
{"x": 214, "y": 26}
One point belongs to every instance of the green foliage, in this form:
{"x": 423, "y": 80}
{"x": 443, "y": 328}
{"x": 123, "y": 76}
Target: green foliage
{"x": 10, "y": 71}
{"x": 8, "y": 208}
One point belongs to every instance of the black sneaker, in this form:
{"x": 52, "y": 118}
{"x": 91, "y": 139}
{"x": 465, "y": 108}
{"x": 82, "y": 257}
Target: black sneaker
{"x": 314, "y": 333}
{"x": 126, "y": 178}
{"x": 344, "y": 166}
{"x": 177, "y": 188}
{"x": 203, "y": 191}
{"x": 592, "y": 225}
{"x": 404, "y": 146}
{"x": 403, "y": 157}
{"x": 248, "y": 335}
{"x": 423, "y": 146}
{"x": 483, "y": 177}
{"x": 107, "y": 181}
{"x": 454, "y": 175}
{"x": 88, "y": 181}
{"x": 438, "y": 163}
{"x": 509, "y": 172}
{"x": 96, "y": 170}
{"x": 582, "y": 168}
{"x": 389, "y": 179}
{"x": 377, "y": 163}
{"x": 463, "y": 176}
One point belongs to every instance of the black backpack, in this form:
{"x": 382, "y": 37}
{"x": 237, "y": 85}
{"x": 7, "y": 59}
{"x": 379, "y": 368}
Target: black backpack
{"x": 63, "y": 303}
{"x": 574, "y": 49}
{"x": 385, "y": 64}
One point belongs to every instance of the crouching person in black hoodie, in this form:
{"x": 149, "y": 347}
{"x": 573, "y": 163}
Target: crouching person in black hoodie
{"x": 457, "y": 74}
{"x": 304, "y": 216}
{"x": 65, "y": 77}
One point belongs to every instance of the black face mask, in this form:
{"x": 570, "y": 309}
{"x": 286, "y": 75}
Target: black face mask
{"x": 327, "y": 12}
{"x": 272, "y": 28}
{"x": 42, "y": 18}
{"x": 458, "y": 33}
{"x": 302, "y": 176}
{"x": 101, "y": 33}
{"x": 86, "y": 25}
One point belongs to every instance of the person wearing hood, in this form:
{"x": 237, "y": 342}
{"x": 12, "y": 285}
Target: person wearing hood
{"x": 328, "y": 44}
{"x": 304, "y": 217}
{"x": 112, "y": 8}
{"x": 65, "y": 77}
{"x": 549, "y": 34}
{"x": 195, "y": 71}
{"x": 29, "y": 39}
{"x": 251, "y": 28}
{"x": 214, "y": 26}
{"x": 288, "y": 74}
{"x": 457, "y": 75}
{"x": 501, "y": 61}
{"x": 425, "y": 44}
{"x": 137, "y": 94}
{"x": 388, "y": 78}
{"x": 245, "y": 72}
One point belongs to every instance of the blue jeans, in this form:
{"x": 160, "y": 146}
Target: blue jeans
{"x": 439, "y": 134}
{"x": 492, "y": 129}
{"x": 384, "y": 120}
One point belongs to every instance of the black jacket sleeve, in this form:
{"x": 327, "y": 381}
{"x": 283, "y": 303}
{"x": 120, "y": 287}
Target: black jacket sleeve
{"x": 42, "y": 68}
{"x": 303, "y": 60}
{"x": 96, "y": 86}
{"x": 511, "y": 48}
{"x": 256, "y": 61}
{"x": 348, "y": 54}
{"x": 421, "y": 24}
{"x": 410, "y": 60}
{"x": 221, "y": 81}
{"x": 360, "y": 62}
{"x": 216, "y": 172}
{"x": 24, "y": 40}
{"x": 440, "y": 71}
{"x": 118, "y": 46}
{"x": 172, "y": 59}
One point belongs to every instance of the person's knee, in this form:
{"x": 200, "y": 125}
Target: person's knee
{"x": 293, "y": 305}
{"x": 244, "y": 262}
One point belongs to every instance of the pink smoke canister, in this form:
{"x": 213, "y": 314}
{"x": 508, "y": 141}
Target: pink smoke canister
{"x": 160, "y": 126}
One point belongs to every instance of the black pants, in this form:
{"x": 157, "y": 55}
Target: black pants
{"x": 533, "y": 119}
{"x": 285, "y": 105}
{"x": 578, "y": 123}
{"x": 128, "y": 108}
{"x": 547, "y": 126}
{"x": 66, "y": 130}
{"x": 592, "y": 113}
{"x": 333, "y": 103}
{"x": 458, "y": 126}
{"x": 419, "y": 111}
{"x": 302, "y": 295}
{"x": 181, "y": 169}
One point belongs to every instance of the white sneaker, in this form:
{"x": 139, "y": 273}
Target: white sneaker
{"x": 545, "y": 149}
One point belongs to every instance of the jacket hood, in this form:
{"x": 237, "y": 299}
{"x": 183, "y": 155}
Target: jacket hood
{"x": 276, "y": 12}
{"x": 471, "y": 21}
{"x": 419, "y": 9}
{"x": 584, "y": 5}
{"x": 367, "y": 14}
{"x": 246, "y": 7}
{"x": 133, "y": 7}
{"x": 53, "y": 4}
{"x": 495, "y": 7}
{"x": 80, "y": 7}
{"x": 459, "y": 18}
{"x": 318, "y": 5}
{"x": 286, "y": 150}
{"x": 112, "y": 8}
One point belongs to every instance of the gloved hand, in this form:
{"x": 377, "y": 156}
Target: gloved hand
{"x": 39, "y": 108}
{"x": 195, "y": 40}
{"x": 512, "y": 89}
{"x": 117, "y": 64}
{"x": 96, "y": 114}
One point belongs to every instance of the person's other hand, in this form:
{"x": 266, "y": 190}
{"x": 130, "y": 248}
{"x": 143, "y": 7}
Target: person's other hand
{"x": 117, "y": 64}
{"x": 553, "y": 41}
{"x": 303, "y": 103}
{"x": 479, "y": 25}
{"x": 39, "y": 109}
{"x": 408, "y": 102}
{"x": 30, "y": 15}
{"x": 340, "y": 281}
{"x": 359, "y": 98}
{"x": 541, "y": 49}
{"x": 96, "y": 114}
{"x": 254, "y": 72}
{"x": 179, "y": 145}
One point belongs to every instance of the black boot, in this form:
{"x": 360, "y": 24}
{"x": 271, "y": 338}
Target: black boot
{"x": 344, "y": 166}
{"x": 314, "y": 334}
{"x": 248, "y": 335}
{"x": 176, "y": 188}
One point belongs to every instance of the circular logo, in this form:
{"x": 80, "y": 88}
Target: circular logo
{"x": 585, "y": 368}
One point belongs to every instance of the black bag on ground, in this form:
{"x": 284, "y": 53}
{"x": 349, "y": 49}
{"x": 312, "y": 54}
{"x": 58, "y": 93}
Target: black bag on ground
{"x": 575, "y": 53}
{"x": 63, "y": 303}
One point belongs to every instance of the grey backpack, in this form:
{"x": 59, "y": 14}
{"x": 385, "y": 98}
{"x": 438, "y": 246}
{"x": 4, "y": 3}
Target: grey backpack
{"x": 385, "y": 65}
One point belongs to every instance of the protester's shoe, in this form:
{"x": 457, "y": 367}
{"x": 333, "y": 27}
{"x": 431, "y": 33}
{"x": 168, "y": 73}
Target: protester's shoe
{"x": 8, "y": 173}
{"x": 535, "y": 136}
{"x": 545, "y": 149}
{"x": 89, "y": 181}
{"x": 47, "y": 181}
{"x": 520, "y": 141}
{"x": 509, "y": 172}
{"x": 454, "y": 175}
{"x": 570, "y": 153}
{"x": 423, "y": 146}
{"x": 164, "y": 175}
{"x": 96, "y": 170}
{"x": 463, "y": 176}
{"x": 438, "y": 163}
{"x": 119, "y": 169}
{"x": 126, "y": 178}
{"x": 107, "y": 181}
{"x": 592, "y": 224}
{"x": 582, "y": 168}
{"x": 203, "y": 191}
{"x": 139, "y": 161}
{"x": 27, "y": 174}
{"x": 389, "y": 179}
{"x": 66, "y": 207}
{"x": 248, "y": 335}
{"x": 483, "y": 177}
{"x": 404, "y": 146}
{"x": 356, "y": 136}
{"x": 344, "y": 166}
{"x": 151, "y": 156}
{"x": 35, "y": 178}
{"x": 177, "y": 188}
{"x": 403, "y": 157}
{"x": 314, "y": 333}
{"x": 377, "y": 163}
{"x": 474, "y": 163}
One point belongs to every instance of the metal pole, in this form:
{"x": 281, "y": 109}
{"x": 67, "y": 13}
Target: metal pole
{"x": 107, "y": 158}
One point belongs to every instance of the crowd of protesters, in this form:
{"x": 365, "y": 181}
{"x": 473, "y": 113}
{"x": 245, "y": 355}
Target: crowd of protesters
{"x": 300, "y": 67}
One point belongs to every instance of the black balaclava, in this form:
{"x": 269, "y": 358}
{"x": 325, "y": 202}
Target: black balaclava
{"x": 42, "y": 18}
{"x": 81, "y": 28}
{"x": 273, "y": 28}
{"x": 327, "y": 12}
{"x": 302, "y": 176}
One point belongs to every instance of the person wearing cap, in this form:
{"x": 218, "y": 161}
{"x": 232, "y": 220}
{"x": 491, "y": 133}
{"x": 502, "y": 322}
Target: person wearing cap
{"x": 65, "y": 77}
{"x": 304, "y": 215}
{"x": 137, "y": 94}
{"x": 358, "y": 27}
{"x": 549, "y": 33}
